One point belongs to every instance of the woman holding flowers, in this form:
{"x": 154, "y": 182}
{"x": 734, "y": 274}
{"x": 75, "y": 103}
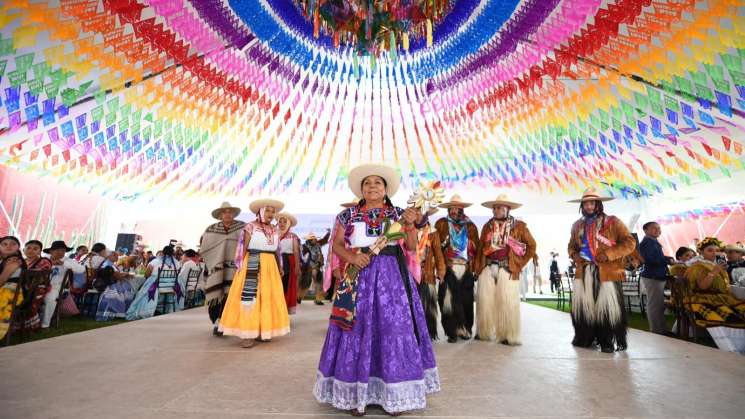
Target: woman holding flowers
{"x": 377, "y": 348}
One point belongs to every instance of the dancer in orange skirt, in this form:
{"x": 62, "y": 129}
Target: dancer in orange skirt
{"x": 255, "y": 309}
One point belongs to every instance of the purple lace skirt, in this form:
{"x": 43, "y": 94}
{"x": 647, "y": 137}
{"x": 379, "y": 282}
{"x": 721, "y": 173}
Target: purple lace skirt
{"x": 379, "y": 361}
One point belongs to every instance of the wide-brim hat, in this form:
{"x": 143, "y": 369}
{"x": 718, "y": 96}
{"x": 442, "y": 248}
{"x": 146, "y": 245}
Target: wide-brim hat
{"x": 292, "y": 218}
{"x": 310, "y": 236}
{"x": 455, "y": 201}
{"x": 734, "y": 248}
{"x": 59, "y": 244}
{"x": 359, "y": 173}
{"x": 225, "y": 206}
{"x": 592, "y": 194}
{"x": 502, "y": 199}
{"x": 258, "y": 204}
{"x": 352, "y": 203}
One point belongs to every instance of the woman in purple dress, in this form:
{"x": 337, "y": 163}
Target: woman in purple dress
{"x": 379, "y": 353}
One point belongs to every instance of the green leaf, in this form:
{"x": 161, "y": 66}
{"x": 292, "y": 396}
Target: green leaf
{"x": 395, "y": 236}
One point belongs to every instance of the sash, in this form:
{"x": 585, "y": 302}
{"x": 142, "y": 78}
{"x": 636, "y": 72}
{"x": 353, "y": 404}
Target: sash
{"x": 250, "y": 285}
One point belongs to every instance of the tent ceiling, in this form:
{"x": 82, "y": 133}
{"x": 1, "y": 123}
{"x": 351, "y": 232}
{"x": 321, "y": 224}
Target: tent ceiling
{"x": 212, "y": 98}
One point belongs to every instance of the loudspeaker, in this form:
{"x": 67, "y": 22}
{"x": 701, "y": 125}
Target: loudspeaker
{"x": 125, "y": 240}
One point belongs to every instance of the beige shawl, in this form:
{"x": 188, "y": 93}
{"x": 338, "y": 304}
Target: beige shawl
{"x": 218, "y": 250}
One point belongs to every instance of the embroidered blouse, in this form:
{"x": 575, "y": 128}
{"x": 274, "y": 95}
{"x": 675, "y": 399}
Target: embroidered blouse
{"x": 264, "y": 237}
{"x": 361, "y": 228}
{"x": 287, "y": 242}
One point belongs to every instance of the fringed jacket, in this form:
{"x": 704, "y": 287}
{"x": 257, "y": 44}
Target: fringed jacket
{"x": 521, "y": 238}
{"x": 609, "y": 236}
{"x": 429, "y": 251}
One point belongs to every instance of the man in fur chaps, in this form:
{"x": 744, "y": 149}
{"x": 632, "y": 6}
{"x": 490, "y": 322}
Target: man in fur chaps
{"x": 459, "y": 240}
{"x": 506, "y": 247}
{"x": 598, "y": 245}
{"x": 429, "y": 254}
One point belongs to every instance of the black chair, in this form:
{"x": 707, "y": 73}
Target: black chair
{"x": 64, "y": 288}
{"x": 564, "y": 294}
{"x": 192, "y": 282}
{"x": 166, "y": 293}
{"x": 632, "y": 292}
{"x": 33, "y": 285}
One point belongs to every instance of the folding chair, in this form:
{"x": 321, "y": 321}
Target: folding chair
{"x": 64, "y": 287}
{"x": 632, "y": 292}
{"x": 192, "y": 281}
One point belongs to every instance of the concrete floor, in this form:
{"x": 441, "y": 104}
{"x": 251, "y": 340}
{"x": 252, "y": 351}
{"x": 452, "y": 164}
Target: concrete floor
{"x": 171, "y": 367}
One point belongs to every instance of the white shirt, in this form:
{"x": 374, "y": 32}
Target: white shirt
{"x": 259, "y": 242}
{"x": 92, "y": 260}
{"x": 286, "y": 245}
{"x": 188, "y": 266}
{"x": 359, "y": 237}
{"x": 58, "y": 271}
{"x": 158, "y": 262}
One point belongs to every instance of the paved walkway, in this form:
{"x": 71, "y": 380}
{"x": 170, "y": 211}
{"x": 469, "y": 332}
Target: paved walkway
{"x": 171, "y": 367}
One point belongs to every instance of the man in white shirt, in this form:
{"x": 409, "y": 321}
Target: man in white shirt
{"x": 60, "y": 266}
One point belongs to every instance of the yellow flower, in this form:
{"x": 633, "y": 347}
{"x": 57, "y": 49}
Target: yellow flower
{"x": 394, "y": 228}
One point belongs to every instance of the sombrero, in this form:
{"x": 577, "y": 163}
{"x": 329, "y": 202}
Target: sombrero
{"x": 591, "y": 194}
{"x": 352, "y": 203}
{"x": 258, "y": 204}
{"x": 225, "y": 205}
{"x": 293, "y": 220}
{"x": 455, "y": 201}
{"x": 734, "y": 248}
{"x": 359, "y": 173}
{"x": 502, "y": 199}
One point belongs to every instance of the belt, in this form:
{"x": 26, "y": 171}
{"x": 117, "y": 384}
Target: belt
{"x": 504, "y": 263}
{"x": 457, "y": 262}
{"x": 256, "y": 252}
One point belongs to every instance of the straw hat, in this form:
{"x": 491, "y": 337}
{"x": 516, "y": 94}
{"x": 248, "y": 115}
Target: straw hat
{"x": 502, "y": 199}
{"x": 258, "y": 204}
{"x": 293, "y": 220}
{"x": 310, "y": 236}
{"x": 352, "y": 203}
{"x": 455, "y": 201}
{"x": 359, "y": 173}
{"x": 225, "y": 205}
{"x": 592, "y": 194}
{"x": 734, "y": 248}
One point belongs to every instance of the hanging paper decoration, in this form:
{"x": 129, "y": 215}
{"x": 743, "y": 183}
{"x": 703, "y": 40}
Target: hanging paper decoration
{"x": 208, "y": 98}
{"x": 374, "y": 26}
{"x": 704, "y": 213}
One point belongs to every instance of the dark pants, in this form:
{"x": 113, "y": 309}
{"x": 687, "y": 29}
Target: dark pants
{"x": 593, "y": 327}
{"x": 555, "y": 280}
{"x": 428, "y": 296}
{"x": 457, "y": 313}
{"x": 215, "y": 310}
